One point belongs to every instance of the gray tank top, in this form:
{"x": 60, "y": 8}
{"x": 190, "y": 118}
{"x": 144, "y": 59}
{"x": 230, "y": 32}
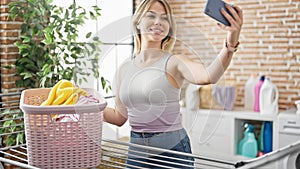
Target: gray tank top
{"x": 152, "y": 102}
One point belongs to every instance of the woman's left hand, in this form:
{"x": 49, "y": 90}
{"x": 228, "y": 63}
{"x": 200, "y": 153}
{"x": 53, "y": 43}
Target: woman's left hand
{"x": 236, "y": 22}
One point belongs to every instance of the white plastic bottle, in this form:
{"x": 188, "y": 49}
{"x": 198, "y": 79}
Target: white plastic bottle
{"x": 268, "y": 102}
{"x": 249, "y": 92}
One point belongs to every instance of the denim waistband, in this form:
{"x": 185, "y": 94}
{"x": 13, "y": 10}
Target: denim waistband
{"x": 148, "y": 135}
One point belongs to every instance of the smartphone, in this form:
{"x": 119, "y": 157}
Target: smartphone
{"x": 213, "y": 9}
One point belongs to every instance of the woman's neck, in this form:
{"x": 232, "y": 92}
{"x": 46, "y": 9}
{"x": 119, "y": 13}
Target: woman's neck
{"x": 150, "y": 54}
{"x": 150, "y": 45}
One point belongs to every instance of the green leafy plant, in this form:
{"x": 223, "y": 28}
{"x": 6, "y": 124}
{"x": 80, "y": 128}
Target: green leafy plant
{"x": 49, "y": 44}
{"x": 12, "y": 127}
{"x": 33, "y": 53}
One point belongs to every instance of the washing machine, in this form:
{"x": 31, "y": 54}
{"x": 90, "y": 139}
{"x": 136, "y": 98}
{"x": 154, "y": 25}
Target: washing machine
{"x": 289, "y": 133}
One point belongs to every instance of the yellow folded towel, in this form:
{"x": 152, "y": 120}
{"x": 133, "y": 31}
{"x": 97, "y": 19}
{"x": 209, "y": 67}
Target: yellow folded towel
{"x": 64, "y": 92}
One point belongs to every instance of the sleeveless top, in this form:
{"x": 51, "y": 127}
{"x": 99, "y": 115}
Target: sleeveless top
{"x": 152, "y": 102}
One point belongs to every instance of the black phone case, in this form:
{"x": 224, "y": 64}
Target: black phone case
{"x": 213, "y": 9}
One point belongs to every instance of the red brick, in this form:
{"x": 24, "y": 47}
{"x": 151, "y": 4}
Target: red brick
{"x": 8, "y": 78}
{"x": 7, "y": 41}
{"x": 9, "y": 49}
{"x": 9, "y": 56}
{"x": 295, "y": 98}
{"x": 8, "y": 62}
{"x": 7, "y": 71}
{"x": 4, "y": 10}
{"x": 9, "y": 34}
{"x": 8, "y": 86}
{"x": 5, "y": 2}
{"x": 7, "y": 18}
{"x": 8, "y": 26}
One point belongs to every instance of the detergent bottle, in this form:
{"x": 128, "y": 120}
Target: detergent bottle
{"x": 267, "y": 137}
{"x": 249, "y": 92}
{"x": 248, "y": 145}
{"x": 257, "y": 89}
{"x": 268, "y": 103}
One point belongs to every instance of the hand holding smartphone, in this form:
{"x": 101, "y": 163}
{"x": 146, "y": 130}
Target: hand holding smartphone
{"x": 213, "y": 9}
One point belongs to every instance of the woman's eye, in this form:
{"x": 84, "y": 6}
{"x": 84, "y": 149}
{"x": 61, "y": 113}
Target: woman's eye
{"x": 150, "y": 16}
{"x": 164, "y": 18}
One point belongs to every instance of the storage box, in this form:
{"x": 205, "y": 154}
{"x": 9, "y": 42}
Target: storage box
{"x": 55, "y": 144}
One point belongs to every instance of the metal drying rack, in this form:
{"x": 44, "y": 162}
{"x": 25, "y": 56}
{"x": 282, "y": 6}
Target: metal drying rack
{"x": 115, "y": 153}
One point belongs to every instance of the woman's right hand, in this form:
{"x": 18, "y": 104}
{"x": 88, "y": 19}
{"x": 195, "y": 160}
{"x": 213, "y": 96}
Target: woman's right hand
{"x": 236, "y": 22}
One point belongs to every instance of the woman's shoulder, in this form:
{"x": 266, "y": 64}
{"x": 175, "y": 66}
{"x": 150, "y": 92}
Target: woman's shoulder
{"x": 181, "y": 58}
{"x": 126, "y": 62}
{"x": 175, "y": 58}
{"x": 178, "y": 60}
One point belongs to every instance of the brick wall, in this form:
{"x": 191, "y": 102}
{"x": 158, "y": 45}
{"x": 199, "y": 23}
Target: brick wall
{"x": 9, "y": 32}
{"x": 270, "y": 43}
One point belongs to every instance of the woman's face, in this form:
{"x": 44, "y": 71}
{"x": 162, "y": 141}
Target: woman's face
{"x": 154, "y": 25}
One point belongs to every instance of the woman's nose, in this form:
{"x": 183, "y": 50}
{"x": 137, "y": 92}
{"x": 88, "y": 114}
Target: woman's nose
{"x": 157, "y": 21}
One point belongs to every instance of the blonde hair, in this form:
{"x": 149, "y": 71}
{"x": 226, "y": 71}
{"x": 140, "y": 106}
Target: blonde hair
{"x": 168, "y": 42}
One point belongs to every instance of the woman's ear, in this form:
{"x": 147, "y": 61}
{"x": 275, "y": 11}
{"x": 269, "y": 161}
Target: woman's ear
{"x": 138, "y": 26}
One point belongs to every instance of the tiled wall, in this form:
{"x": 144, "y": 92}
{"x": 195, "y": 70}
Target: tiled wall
{"x": 270, "y": 43}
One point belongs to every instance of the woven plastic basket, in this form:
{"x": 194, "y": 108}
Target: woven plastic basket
{"x": 56, "y": 144}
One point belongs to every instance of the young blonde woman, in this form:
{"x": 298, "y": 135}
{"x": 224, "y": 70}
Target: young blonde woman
{"x": 148, "y": 85}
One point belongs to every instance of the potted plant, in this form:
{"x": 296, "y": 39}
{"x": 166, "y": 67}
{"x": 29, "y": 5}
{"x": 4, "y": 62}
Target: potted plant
{"x": 49, "y": 44}
{"x": 50, "y": 51}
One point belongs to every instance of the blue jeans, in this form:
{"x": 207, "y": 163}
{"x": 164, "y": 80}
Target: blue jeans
{"x": 174, "y": 140}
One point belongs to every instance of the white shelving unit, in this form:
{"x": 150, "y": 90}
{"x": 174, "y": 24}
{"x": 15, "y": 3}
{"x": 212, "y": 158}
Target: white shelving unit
{"x": 216, "y": 133}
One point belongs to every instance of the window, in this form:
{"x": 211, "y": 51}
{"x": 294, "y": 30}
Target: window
{"x": 114, "y": 30}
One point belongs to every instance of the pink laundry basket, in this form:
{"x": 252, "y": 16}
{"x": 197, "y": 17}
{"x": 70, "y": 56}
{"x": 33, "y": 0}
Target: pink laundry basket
{"x": 56, "y": 144}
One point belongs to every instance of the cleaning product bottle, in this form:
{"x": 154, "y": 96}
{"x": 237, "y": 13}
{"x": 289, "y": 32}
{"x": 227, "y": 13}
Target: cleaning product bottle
{"x": 257, "y": 93}
{"x": 249, "y": 92}
{"x": 267, "y": 137}
{"x": 268, "y": 103}
{"x": 248, "y": 145}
